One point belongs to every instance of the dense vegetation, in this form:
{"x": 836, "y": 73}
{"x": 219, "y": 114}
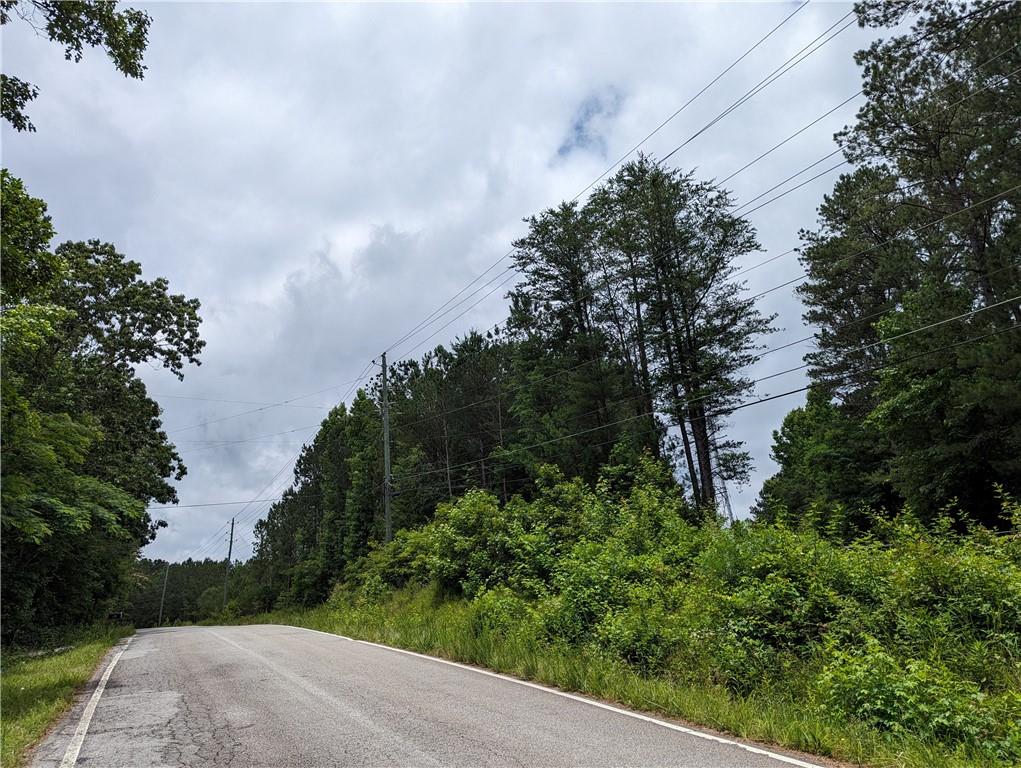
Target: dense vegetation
{"x": 630, "y": 331}
{"x": 561, "y": 480}
{"x": 83, "y": 449}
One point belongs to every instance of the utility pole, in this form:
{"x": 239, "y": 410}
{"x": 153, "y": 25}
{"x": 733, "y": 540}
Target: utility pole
{"x": 499, "y": 426}
{"x": 387, "y": 489}
{"x": 230, "y": 553}
{"x": 446, "y": 453}
{"x": 163, "y": 597}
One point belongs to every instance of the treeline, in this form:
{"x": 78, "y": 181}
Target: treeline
{"x": 187, "y": 592}
{"x": 630, "y": 331}
{"x": 84, "y": 451}
{"x": 626, "y": 330}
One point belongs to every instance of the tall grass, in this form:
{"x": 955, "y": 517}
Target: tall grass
{"x": 37, "y": 686}
{"x": 421, "y": 619}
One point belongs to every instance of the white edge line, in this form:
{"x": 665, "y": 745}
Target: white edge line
{"x": 71, "y": 755}
{"x": 591, "y": 702}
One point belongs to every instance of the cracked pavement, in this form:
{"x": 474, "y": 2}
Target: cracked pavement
{"x": 279, "y": 696}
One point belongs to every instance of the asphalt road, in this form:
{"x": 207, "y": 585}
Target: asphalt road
{"x": 280, "y": 696}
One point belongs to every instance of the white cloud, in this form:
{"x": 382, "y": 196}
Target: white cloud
{"x": 322, "y": 176}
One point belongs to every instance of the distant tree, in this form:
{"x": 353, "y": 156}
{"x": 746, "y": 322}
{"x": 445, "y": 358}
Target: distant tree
{"x": 74, "y": 25}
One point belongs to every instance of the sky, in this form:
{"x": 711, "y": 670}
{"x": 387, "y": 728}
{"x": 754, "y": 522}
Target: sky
{"x": 323, "y": 176}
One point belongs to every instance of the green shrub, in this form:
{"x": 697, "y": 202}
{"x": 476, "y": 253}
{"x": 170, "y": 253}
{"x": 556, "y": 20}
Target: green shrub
{"x": 868, "y": 684}
{"x": 497, "y": 611}
{"x": 643, "y": 633}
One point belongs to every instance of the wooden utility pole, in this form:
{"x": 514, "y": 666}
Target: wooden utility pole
{"x": 230, "y": 554}
{"x": 387, "y": 490}
{"x": 446, "y": 453}
{"x": 163, "y": 597}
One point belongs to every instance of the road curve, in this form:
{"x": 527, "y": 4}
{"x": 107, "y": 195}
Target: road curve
{"x": 280, "y": 696}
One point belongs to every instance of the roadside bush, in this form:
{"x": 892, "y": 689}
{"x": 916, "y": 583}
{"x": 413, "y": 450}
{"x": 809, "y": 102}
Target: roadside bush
{"x": 497, "y": 611}
{"x": 867, "y": 683}
{"x": 642, "y": 633}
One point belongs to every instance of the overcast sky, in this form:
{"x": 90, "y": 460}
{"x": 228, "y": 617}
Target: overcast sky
{"x": 323, "y": 176}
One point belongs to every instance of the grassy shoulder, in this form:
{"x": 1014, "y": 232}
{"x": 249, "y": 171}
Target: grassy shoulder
{"x": 420, "y": 619}
{"x": 37, "y": 686}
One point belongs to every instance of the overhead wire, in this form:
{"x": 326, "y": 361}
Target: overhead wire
{"x": 258, "y": 496}
{"x": 721, "y": 412}
{"x": 768, "y": 80}
{"x": 876, "y": 246}
{"x": 269, "y": 406}
{"x": 689, "y": 102}
{"x": 740, "y": 170}
{"x": 740, "y": 210}
{"x": 432, "y": 316}
{"x": 207, "y": 444}
{"x": 212, "y": 504}
{"x": 237, "y": 402}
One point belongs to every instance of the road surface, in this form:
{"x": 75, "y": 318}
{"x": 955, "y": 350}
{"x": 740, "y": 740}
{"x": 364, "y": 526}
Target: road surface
{"x": 280, "y": 696}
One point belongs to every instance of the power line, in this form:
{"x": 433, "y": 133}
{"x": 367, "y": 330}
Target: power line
{"x": 270, "y": 405}
{"x": 207, "y": 444}
{"x": 238, "y": 402}
{"x": 824, "y": 158}
{"x": 871, "y": 248}
{"x": 705, "y": 396}
{"x": 767, "y": 81}
{"x": 794, "y": 135}
{"x": 688, "y": 103}
{"x": 259, "y": 497}
{"x": 513, "y": 273}
{"x": 213, "y": 504}
{"x": 432, "y": 316}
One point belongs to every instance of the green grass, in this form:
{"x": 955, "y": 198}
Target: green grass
{"x": 36, "y": 690}
{"x": 418, "y": 620}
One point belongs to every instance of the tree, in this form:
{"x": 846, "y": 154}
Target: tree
{"x": 568, "y": 376}
{"x": 670, "y": 242}
{"x": 925, "y": 229}
{"x": 74, "y": 25}
{"x": 83, "y": 450}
